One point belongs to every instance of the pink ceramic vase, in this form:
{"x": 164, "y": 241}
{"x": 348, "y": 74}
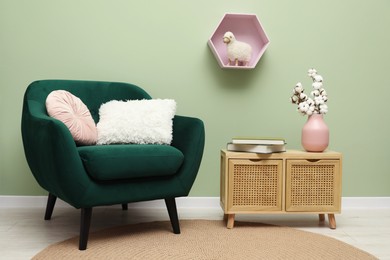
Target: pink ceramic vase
{"x": 315, "y": 134}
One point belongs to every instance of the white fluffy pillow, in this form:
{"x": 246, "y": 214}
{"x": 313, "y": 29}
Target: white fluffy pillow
{"x": 136, "y": 121}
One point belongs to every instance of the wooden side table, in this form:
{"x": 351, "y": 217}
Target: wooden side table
{"x": 289, "y": 182}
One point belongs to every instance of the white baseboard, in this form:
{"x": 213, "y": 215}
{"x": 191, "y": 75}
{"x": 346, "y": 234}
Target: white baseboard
{"x": 185, "y": 202}
{"x": 365, "y": 202}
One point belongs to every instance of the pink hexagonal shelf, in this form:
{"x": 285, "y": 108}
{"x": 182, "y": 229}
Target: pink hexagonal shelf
{"x": 246, "y": 28}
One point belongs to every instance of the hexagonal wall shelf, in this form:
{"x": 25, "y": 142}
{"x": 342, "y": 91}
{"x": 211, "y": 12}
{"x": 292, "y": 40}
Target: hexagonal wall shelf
{"x": 246, "y": 28}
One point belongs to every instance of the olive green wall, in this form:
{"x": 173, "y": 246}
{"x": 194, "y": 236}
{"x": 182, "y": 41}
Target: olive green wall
{"x": 162, "y": 47}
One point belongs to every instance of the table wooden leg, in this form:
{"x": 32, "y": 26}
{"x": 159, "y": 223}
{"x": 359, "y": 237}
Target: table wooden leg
{"x": 322, "y": 217}
{"x": 230, "y": 220}
{"x": 332, "y": 221}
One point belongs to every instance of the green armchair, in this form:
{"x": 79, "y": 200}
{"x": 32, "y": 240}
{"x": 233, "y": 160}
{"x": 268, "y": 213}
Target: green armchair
{"x": 56, "y": 160}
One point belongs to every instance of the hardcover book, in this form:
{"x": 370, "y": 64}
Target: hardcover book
{"x": 256, "y": 148}
{"x": 259, "y": 140}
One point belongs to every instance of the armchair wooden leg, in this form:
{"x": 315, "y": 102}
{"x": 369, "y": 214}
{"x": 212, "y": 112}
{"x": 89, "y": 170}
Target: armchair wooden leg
{"x": 85, "y": 223}
{"x": 51, "y": 201}
{"x": 172, "y": 211}
{"x": 124, "y": 206}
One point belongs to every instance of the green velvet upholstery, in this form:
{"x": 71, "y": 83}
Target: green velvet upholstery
{"x": 69, "y": 173}
{"x": 130, "y": 161}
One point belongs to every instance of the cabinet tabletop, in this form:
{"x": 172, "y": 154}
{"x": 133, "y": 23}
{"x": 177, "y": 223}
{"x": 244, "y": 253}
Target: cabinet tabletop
{"x": 289, "y": 154}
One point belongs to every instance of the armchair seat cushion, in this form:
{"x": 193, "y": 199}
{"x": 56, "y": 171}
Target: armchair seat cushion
{"x": 130, "y": 161}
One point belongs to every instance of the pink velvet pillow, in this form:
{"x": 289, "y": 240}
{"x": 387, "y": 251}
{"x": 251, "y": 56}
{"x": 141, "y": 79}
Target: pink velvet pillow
{"x": 69, "y": 109}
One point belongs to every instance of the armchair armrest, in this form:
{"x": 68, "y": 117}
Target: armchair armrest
{"x": 189, "y": 138}
{"x": 51, "y": 154}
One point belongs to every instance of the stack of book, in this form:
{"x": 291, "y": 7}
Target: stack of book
{"x": 257, "y": 145}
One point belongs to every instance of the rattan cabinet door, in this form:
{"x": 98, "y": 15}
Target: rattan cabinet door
{"x": 313, "y": 186}
{"x": 255, "y": 185}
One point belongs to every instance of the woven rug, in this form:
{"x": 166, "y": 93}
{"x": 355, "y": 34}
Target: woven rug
{"x": 204, "y": 239}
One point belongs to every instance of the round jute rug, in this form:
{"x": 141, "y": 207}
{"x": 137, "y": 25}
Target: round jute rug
{"x": 204, "y": 239}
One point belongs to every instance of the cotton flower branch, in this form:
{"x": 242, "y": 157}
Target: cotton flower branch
{"x": 316, "y": 103}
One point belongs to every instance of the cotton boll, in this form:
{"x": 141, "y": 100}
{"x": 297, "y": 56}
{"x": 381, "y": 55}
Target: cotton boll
{"x": 319, "y": 100}
{"x": 303, "y": 96}
{"x": 323, "y": 109}
{"x": 315, "y": 93}
{"x": 310, "y": 102}
{"x": 318, "y": 78}
{"x": 294, "y": 99}
{"x": 311, "y": 72}
{"x": 317, "y": 85}
{"x": 303, "y": 107}
{"x": 298, "y": 88}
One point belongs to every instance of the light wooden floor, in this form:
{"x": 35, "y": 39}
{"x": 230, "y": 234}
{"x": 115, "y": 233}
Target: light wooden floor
{"x": 23, "y": 232}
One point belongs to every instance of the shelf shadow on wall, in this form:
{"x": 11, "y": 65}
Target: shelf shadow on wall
{"x": 234, "y": 78}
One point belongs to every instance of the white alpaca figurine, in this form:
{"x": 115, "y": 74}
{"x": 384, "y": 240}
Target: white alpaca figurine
{"x": 237, "y": 51}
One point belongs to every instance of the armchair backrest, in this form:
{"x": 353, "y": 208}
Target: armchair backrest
{"x": 92, "y": 93}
